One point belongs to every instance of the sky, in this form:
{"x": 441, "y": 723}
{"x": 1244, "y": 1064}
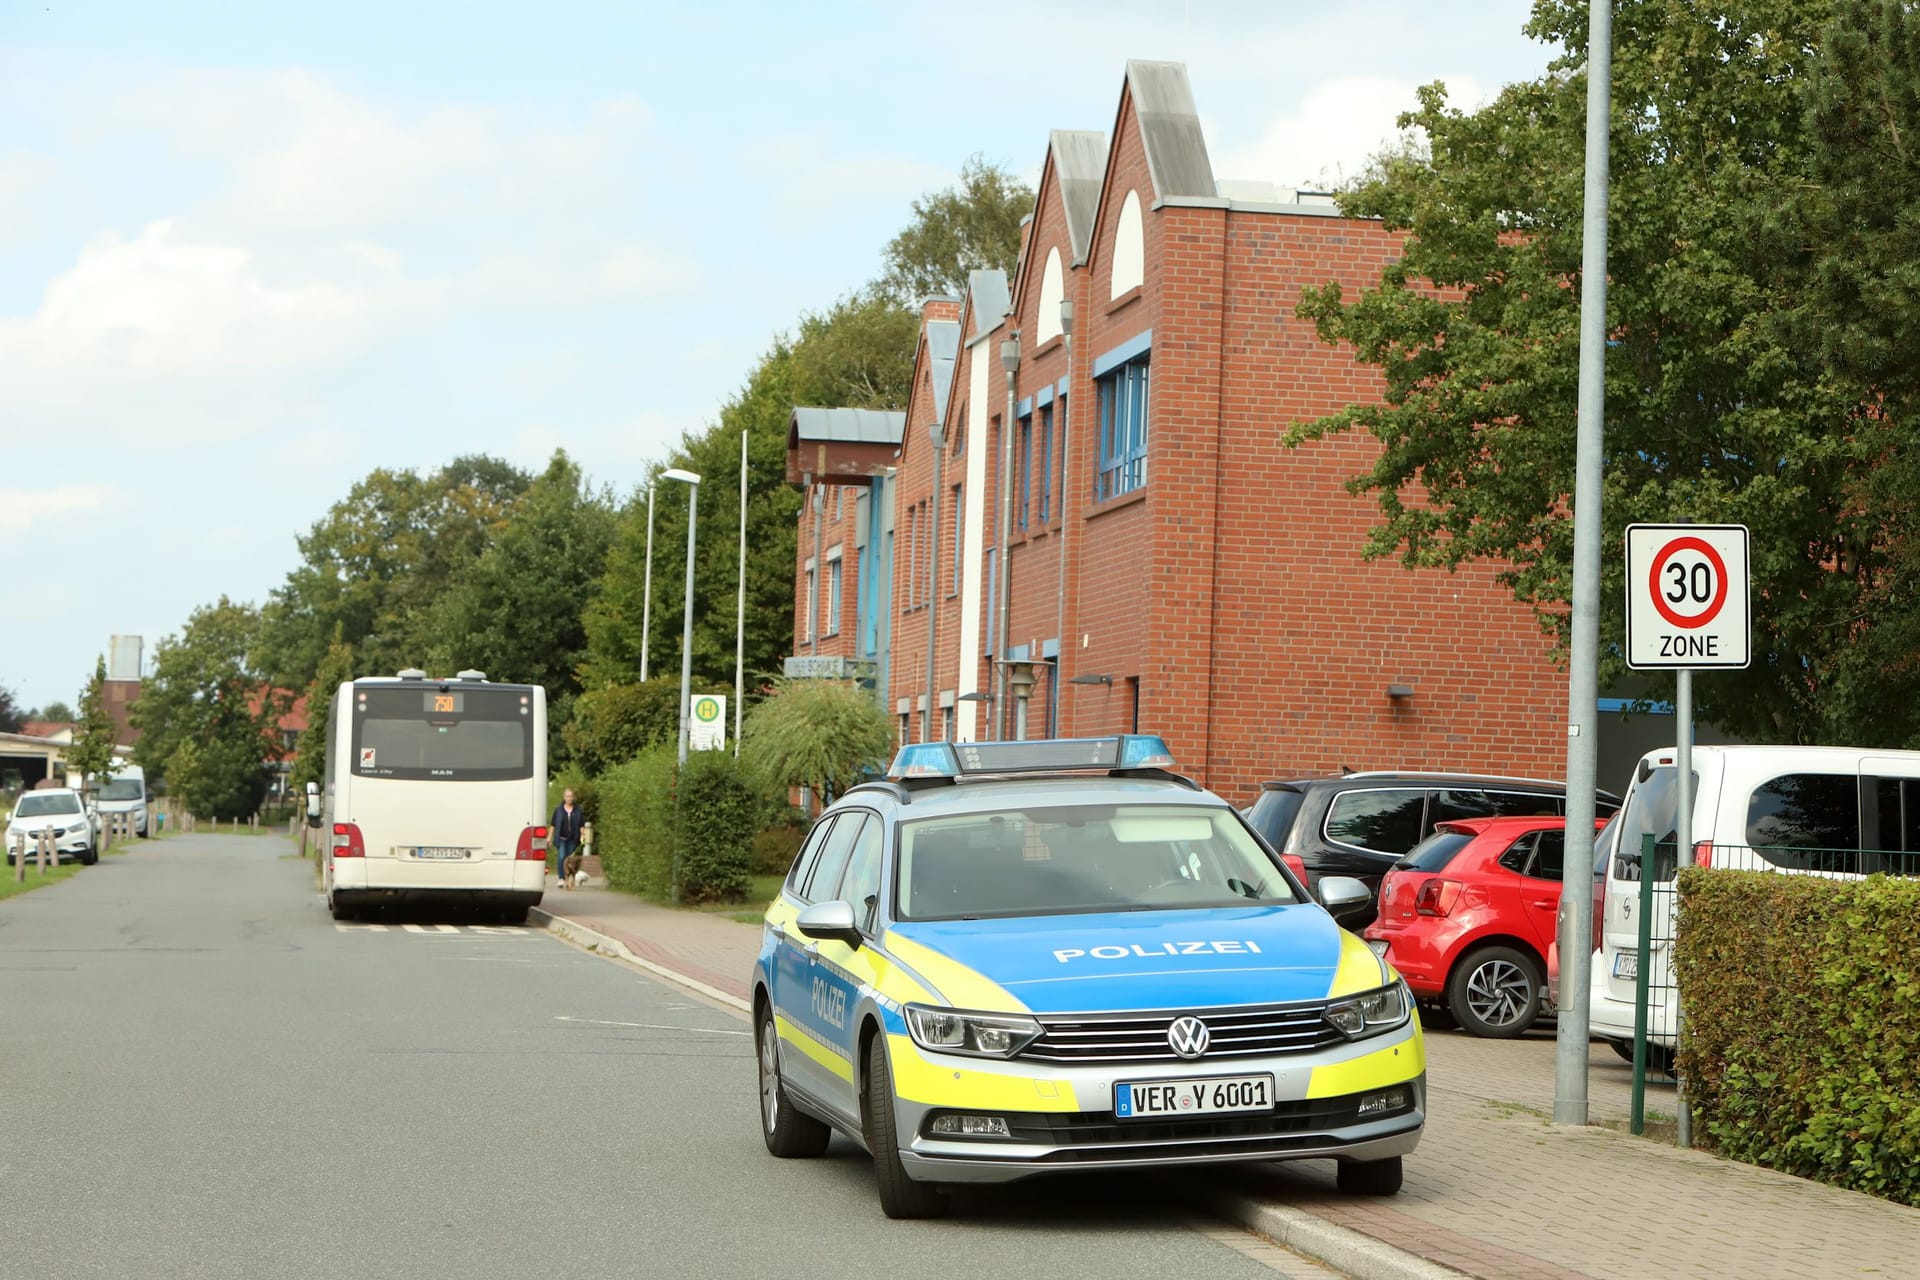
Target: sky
{"x": 250, "y": 252}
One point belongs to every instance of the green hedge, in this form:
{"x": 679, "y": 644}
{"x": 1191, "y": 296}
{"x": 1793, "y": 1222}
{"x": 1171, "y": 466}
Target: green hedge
{"x": 1802, "y": 1044}
{"x": 718, "y": 813}
{"x": 633, "y": 822}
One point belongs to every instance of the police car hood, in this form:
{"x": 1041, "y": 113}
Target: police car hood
{"x": 1113, "y": 962}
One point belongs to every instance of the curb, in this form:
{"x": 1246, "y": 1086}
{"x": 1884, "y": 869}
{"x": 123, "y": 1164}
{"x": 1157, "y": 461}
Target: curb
{"x": 1349, "y": 1252}
{"x": 593, "y": 940}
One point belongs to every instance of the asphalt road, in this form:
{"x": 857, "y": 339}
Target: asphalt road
{"x": 205, "y": 1076}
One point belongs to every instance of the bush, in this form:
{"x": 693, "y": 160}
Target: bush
{"x": 634, "y": 829}
{"x": 610, "y": 725}
{"x": 825, "y": 735}
{"x": 775, "y": 848}
{"x": 1802, "y": 1045}
{"x": 716, "y": 816}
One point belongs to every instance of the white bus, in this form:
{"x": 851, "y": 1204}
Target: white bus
{"x": 436, "y": 792}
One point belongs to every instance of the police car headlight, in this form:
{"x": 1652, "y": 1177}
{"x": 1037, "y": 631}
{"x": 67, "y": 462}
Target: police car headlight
{"x": 984, "y": 1035}
{"x": 1371, "y": 1012}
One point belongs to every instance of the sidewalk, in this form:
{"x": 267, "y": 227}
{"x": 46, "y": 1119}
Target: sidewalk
{"x": 1494, "y": 1192}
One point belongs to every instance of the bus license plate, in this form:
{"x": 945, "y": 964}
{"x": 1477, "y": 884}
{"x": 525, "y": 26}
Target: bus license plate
{"x": 1626, "y": 964}
{"x": 1139, "y": 1100}
{"x": 438, "y": 851}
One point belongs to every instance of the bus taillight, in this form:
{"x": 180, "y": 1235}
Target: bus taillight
{"x": 532, "y": 846}
{"x": 347, "y": 841}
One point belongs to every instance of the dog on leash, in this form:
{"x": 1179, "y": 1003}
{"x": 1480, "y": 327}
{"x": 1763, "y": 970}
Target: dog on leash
{"x": 571, "y": 876}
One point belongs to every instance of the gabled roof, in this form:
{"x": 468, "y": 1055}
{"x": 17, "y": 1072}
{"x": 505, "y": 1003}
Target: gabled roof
{"x": 850, "y": 426}
{"x": 1170, "y": 130}
{"x": 989, "y": 300}
{"x": 943, "y": 344}
{"x": 1079, "y": 166}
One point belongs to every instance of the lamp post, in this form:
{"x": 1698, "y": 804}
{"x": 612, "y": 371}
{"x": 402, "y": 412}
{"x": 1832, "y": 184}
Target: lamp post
{"x": 1010, "y": 361}
{"x": 692, "y": 482}
{"x": 646, "y": 607}
{"x": 1020, "y": 685}
{"x": 937, "y": 437}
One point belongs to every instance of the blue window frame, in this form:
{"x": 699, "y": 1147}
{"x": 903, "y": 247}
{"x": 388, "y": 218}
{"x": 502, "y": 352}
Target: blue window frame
{"x": 833, "y": 596}
{"x": 1023, "y": 493}
{"x": 1046, "y": 463}
{"x": 1123, "y": 430}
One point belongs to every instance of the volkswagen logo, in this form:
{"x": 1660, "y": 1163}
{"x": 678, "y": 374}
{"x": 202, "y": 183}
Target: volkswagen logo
{"x": 1188, "y": 1037}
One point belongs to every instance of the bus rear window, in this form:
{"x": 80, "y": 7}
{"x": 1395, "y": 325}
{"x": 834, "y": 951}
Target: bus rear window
{"x": 398, "y": 733}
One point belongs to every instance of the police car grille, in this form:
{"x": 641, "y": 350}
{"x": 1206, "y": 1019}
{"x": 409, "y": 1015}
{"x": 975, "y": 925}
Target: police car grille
{"x": 1241, "y": 1032}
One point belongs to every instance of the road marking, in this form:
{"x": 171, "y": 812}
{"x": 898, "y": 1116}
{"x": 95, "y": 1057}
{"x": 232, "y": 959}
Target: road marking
{"x": 650, "y": 1026}
{"x": 441, "y": 930}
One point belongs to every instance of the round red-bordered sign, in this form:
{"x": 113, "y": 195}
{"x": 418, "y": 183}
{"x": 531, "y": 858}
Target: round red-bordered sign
{"x": 1712, "y": 609}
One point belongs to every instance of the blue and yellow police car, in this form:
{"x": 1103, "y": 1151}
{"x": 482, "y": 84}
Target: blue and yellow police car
{"x": 1014, "y": 958}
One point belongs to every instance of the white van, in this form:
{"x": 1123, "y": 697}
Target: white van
{"x": 124, "y": 791}
{"x": 1843, "y": 812}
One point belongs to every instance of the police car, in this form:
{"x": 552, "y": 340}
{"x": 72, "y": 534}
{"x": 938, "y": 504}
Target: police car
{"x": 1014, "y": 958}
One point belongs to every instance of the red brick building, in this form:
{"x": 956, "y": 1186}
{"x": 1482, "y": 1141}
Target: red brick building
{"x": 1171, "y": 566}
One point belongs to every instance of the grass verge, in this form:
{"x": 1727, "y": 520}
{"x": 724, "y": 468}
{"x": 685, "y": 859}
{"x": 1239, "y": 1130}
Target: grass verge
{"x": 11, "y": 888}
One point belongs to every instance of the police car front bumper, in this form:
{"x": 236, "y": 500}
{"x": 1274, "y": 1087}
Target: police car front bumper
{"x": 1378, "y": 1111}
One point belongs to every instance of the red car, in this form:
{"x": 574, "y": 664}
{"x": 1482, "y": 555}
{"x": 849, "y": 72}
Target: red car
{"x": 1468, "y": 917}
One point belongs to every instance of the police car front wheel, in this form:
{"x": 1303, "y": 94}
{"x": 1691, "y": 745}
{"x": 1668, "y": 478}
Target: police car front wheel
{"x": 1370, "y": 1177}
{"x": 900, "y": 1196}
{"x": 788, "y": 1133}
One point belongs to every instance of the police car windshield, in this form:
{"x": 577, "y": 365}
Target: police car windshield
{"x": 1081, "y": 858}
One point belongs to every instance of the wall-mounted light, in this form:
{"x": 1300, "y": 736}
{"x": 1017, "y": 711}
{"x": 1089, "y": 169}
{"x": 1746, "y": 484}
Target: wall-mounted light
{"x": 1091, "y": 679}
{"x": 1399, "y": 691}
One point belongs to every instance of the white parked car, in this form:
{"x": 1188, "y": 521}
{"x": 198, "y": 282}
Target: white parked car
{"x": 75, "y": 836}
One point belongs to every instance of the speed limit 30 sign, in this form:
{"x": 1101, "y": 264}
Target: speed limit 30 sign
{"x": 1687, "y": 595}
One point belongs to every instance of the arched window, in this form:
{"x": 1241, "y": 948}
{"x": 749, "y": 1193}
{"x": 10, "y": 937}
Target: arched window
{"x": 1052, "y": 289}
{"x": 1129, "y": 248}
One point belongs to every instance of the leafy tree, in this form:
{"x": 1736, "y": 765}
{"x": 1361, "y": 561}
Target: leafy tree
{"x": 1712, "y": 412}
{"x": 824, "y": 735}
{"x": 205, "y": 697}
{"x": 310, "y": 760}
{"x": 957, "y": 231}
{"x": 378, "y": 562}
{"x": 56, "y": 712}
{"x": 92, "y": 752}
{"x": 11, "y": 717}
{"x": 516, "y": 612}
{"x": 613, "y": 723}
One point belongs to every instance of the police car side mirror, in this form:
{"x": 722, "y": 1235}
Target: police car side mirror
{"x": 1343, "y": 895}
{"x": 828, "y": 922}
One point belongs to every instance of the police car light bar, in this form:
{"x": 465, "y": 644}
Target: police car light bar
{"x": 1046, "y": 755}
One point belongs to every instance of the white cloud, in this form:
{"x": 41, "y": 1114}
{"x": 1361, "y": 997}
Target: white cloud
{"x": 1338, "y": 126}
{"x": 20, "y": 508}
{"x": 808, "y": 181}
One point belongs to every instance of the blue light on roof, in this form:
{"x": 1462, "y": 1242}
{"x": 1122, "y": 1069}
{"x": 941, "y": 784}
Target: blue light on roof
{"x": 1032, "y": 756}
{"x": 925, "y": 760}
{"x": 1144, "y": 751}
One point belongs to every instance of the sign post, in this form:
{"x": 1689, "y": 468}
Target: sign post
{"x": 1687, "y": 608}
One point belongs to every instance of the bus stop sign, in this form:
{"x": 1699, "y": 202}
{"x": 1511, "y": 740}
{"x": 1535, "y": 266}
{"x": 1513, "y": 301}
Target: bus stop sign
{"x": 1687, "y": 596}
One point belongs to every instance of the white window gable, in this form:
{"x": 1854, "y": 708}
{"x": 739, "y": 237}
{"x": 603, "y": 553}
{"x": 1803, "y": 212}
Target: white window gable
{"x": 1129, "y": 247}
{"x": 1052, "y": 290}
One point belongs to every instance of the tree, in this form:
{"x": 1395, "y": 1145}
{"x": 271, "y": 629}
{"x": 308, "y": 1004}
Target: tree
{"x": 613, "y": 723}
{"x": 957, "y": 231}
{"x": 375, "y": 566}
{"x": 824, "y": 735}
{"x": 310, "y": 758}
{"x": 1711, "y": 411}
{"x": 205, "y": 715}
{"x": 55, "y": 712}
{"x": 11, "y": 718}
{"x": 92, "y": 753}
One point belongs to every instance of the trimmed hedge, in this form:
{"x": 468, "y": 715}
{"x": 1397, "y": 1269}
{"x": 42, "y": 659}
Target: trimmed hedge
{"x": 1802, "y": 1042}
{"x": 718, "y": 813}
{"x": 633, "y": 822}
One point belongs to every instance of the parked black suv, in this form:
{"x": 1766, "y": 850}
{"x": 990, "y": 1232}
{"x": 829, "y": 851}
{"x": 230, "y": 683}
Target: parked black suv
{"x": 1360, "y": 824}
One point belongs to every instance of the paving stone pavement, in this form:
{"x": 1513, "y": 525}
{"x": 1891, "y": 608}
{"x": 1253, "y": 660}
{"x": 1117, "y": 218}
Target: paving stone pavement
{"x": 1495, "y": 1191}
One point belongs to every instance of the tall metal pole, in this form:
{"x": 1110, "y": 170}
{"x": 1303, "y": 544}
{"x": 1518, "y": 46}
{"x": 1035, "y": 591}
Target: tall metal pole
{"x": 646, "y": 607}
{"x": 1010, "y": 361}
{"x": 937, "y": 438}
{"x": 1576, "y": 945}
{"x": 686, "y": 622}
{"x": 1056, "y": 697}
{"x": 740, "y": 608}
{"x": 1683, "y": 850}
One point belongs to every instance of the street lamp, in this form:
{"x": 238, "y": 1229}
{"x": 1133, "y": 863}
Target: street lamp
{"x": 692, "y": 482}
{"x": 646, "y": 607}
